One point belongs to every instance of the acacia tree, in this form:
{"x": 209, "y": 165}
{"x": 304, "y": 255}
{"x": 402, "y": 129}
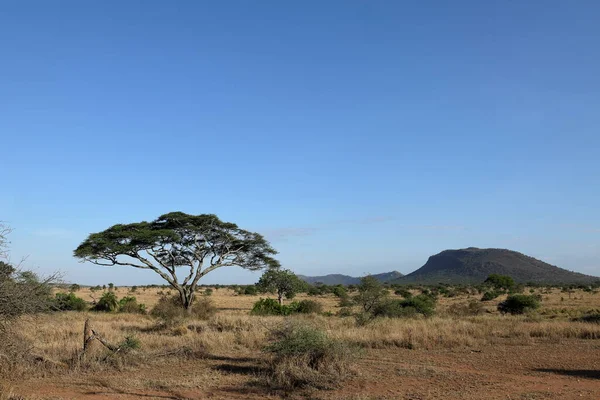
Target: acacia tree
{"x": 198, "y": 244}
{"x": 283, "y": 282}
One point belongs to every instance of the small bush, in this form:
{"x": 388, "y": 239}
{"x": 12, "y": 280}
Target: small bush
{"x": 250, "y": 290}
{"x": 340, "y": 291}
{"x": 169, "y": 310}
{"x": 421, "y": 304}
{"x": 130, "y": 343}
{"x": 518, "y": 304}
{"x": 129, "y": 304}
{"x": 208, "y": 292}
{"x": 404, "y": 293}
{"x": 308, "y": 307}
{"x": 591, "y": 318}
{"x": 267, "y": 307}
{"x": 303, "y": 356}
{"x": 490, "y": 295}
{"x": 107, "y": 303}
{"x": 345, "y": 312}
{"x": 68, "y": 302}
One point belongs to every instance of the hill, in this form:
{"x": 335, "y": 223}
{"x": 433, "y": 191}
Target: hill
{"x": 338, "y": 279}
{"x": 473, "y": 265}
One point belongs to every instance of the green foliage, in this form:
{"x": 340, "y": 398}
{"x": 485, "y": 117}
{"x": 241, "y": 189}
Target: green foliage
{"x": 421, "y": 304}
{"x": 340, "y": 291}
{"x": 403, "y": 292}
{"x": 196, "y": 243}
{"x": 500, "y": 281}
{"x": 371, "y": 292}
{"x": 272, "y": 307}
{"x": 133, "y": 289}
{"x": 129, "y": 304}
{"x": 267, "y": 307}
{"x": 107, "y": 303}
{"x": 208, "y": 292}
{"x": 68, "y": 302}
{"x": 74, "y": 287}
{"x": 491, "y": 295}
{"x": 282, "y": 282}
{"x": 519, "y": 304}
{"x": 308, "y": 307}
{"x": 130, "y": 343}
{"x": 111, "y": 286}
{"x": 250, "y": 290}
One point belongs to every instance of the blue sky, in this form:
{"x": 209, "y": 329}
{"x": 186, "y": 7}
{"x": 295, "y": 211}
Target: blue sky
{"x": 357, "y": 136}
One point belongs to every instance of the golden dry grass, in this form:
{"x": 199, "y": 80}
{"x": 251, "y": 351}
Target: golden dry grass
{"x": 235, "y": 333}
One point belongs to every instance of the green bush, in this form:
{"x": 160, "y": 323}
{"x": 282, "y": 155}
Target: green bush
{"x": 404, "y": 293}
{"x": 308, "y": 307}
{"x": 107, "y": 303}
{"x": 68, "y": 302}
{"x": 340, "y": 291}
{"x": 129, "y": 304}
{"x": 303, "y": 356}
{"x": 490, "y": 295}
{"x": 518, "y": 304}
{"x": 267, "y": 307}
{"x": 208, "y": 292}
{"x": 250, "y": 290}
{"x": 421, "y": 304}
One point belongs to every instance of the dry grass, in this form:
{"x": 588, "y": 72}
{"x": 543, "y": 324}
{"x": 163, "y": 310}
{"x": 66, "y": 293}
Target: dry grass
{"x": 232, "y": 331}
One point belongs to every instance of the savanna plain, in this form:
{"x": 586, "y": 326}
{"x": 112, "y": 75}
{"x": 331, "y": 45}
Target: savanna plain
{"x": 465, "y": 350}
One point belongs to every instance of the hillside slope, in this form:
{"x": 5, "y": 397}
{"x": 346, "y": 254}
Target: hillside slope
{"x": 338, "y": 279}
{"x": 473, "y": 265}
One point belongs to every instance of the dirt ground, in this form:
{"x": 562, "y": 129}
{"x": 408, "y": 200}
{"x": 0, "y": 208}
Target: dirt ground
{"x": 566, "y": 370}
{"x": 515, "y": 364}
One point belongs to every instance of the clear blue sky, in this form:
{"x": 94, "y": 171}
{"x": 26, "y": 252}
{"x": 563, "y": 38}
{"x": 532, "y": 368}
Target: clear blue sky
{"x": 358, "y": 136}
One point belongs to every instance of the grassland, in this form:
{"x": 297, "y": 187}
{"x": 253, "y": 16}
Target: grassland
{"x": 546, "y": 355}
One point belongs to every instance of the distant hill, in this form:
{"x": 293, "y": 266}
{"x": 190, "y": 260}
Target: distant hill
{"x": 338, "y": 279}
{"x": 473, "y": 265}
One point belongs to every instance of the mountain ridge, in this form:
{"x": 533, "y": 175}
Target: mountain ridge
{"x": 472, "y": 265}
{"x": 340, "y": 279}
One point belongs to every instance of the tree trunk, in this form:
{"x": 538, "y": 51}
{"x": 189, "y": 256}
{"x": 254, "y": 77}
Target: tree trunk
{"x": 280, "y": 298}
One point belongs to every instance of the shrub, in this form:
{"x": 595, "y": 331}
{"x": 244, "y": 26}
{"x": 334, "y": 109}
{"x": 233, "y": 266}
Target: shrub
{"x": 370, "y": 293}
{"x": 74, "y": 287}
{"x": 345, "y": 312}
{"x": 591, "y": 318}
{"x": 169, "y": 309}
{"x": 404, "y": 293}
{"x": 267, "y": 307}
{"x": 129, "y": 304}
{"x": 518, "y": 304}
{"x": 340, "y": 291}
{"x": 500, "y": 281}
{"x": 250, "y": 290}
{"x": 68, "y": 302}
{"x": 308, "y": 307}
{"x": 470, "y": 308}
{"x": 420, "y": 304}
{"x": 302, "y": 356}
{"x": 490, "y": 295}
{"x": 208, "y": 292}
{"x": 107, "y": 303}
{"x": 130, "y": 343}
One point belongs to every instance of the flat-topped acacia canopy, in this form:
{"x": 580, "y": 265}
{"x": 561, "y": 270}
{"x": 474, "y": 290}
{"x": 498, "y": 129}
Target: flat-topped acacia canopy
{"x": 198, "y": 243}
